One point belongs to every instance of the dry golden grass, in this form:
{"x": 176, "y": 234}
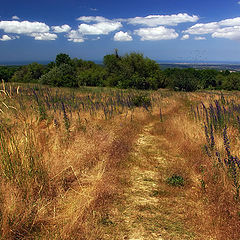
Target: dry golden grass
{"x": 218, "y": 211}
{"x": 106, "y": 178}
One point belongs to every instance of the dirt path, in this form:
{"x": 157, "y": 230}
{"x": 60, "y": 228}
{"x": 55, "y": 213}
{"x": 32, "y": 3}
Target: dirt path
{"x": 152, "y": 209}
{"x": 151, "y": 212}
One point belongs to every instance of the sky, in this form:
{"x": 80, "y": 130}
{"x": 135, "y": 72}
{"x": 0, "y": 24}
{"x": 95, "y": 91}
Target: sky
{"x": 163, "y": 30}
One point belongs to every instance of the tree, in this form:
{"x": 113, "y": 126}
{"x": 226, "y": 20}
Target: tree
{"x": 232, "y": 82}
{"x": 112, "y": 63}
{"x": 207, "y": 78}
{"x": 6, "y": 72}
{"x": 62, "y": 58}
{"x": 183, "y": 80}
{"x": 29, "y": 73}
{"x": 92, "y": 77}
{"x": 132, "y": 71}
{"x": 62, "y": 76}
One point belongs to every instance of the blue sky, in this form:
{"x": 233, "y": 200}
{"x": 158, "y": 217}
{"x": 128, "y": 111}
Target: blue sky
{"x": 170, "y": 30}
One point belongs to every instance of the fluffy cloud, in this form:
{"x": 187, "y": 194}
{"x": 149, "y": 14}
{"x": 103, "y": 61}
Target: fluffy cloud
{"x": 61, "y": 29}
{"x": 99, "y": 25}
{"x": 89, "y": 19}
{"x": 232, "y": 33}
{"x": 227, "y": 28}
{"x": 43, "y": 36}
{"x": 200, "y": 38}
{"x": 15, "y": 18}
{"x": 7, "y": 38}
{"x": 212, "y": 27}
{"x": 24, "y": 27}
{"x": 100, "y": 28}
{"x": 230, "y": 22}
{"x": 203, "y": 28}
{"x": 185, "y": 37}
{"x": 38, "y": 30}
{"x": 122, "y": 37}
{"x": 158, "y": 33}
{"x": 156, "y": 20}
{"x": 75, "y": 36}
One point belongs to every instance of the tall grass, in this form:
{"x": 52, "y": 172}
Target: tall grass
{"x": 62, "y": 152}
{"x": 59, "y": 155}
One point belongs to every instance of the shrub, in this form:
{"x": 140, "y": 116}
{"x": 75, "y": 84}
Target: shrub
{"x": 141, "y": 101}
{"x": 176, "y": 181}
{"x": 62, "y": 76}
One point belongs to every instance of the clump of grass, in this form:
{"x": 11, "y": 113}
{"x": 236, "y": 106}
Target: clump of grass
{"x": 41, "y": 107}
{"x": 65, "y": 117}
{"x": 176, "y": 181}
{"x": 141, "y": 100}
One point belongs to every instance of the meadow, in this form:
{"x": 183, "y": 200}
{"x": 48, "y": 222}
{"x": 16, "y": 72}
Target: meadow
{"x": 104, "y": 163}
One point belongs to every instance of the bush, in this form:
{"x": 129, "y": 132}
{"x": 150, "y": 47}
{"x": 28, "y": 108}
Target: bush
{"x": 232, "y": 82}
{"x": 62, "y": 76}
{"x": 91, "y": 77}
{"x": 141, "y": 101}
{"x": 28, "y": 73}
{"x": 132, "y": 71}
{"x": 176, "y": 181}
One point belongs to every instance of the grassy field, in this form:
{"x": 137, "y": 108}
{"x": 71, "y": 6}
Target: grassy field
{"x": 99, "y": 163}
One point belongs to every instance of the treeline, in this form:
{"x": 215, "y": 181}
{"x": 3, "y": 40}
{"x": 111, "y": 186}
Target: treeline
{"x": 129, "y": 71}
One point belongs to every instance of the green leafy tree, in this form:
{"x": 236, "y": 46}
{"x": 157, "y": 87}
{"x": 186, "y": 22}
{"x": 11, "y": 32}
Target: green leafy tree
{"x": 92, "y": 77}
{"x": 6, "y": 72}
{"x": 207, "y": 78}
{"x": 28, "y": 73}
{"x": 232, "y": 82}
{"x": 112, "y": 64}
{"x": 62, "y": 76}
{"x": 132, "y": 71}
{"x": 183, "y": 80}
{"x": 62, "y": 58}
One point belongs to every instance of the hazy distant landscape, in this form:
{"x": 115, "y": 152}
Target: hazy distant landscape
{"x": 217, "y": 66}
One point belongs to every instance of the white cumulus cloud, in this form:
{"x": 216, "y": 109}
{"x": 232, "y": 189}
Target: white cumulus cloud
{"x": 15, "y": 18}
{"x": 37, "y": 30}
{"x": 24, "y": 27}
{"x": 75, "y": 36}
{"x": 203, "y": 28}
{"x": 157, "y": 20}
{"x": 122, "y": 37}
{"x": 61, "y": 29}
{"x": 227, "y": 28}
{"x": 89, "y": 19}
{"x": 100, "y": 28}
{"x": 158, "y": 33}
{"x": 185, "y": 37}
{"x": 200, "y": 38}
{"x": 7, "y": 38}
{"x": 43, "y": 36}
{"x": 230, "y": 22}
{"x": 232, "y": 33}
